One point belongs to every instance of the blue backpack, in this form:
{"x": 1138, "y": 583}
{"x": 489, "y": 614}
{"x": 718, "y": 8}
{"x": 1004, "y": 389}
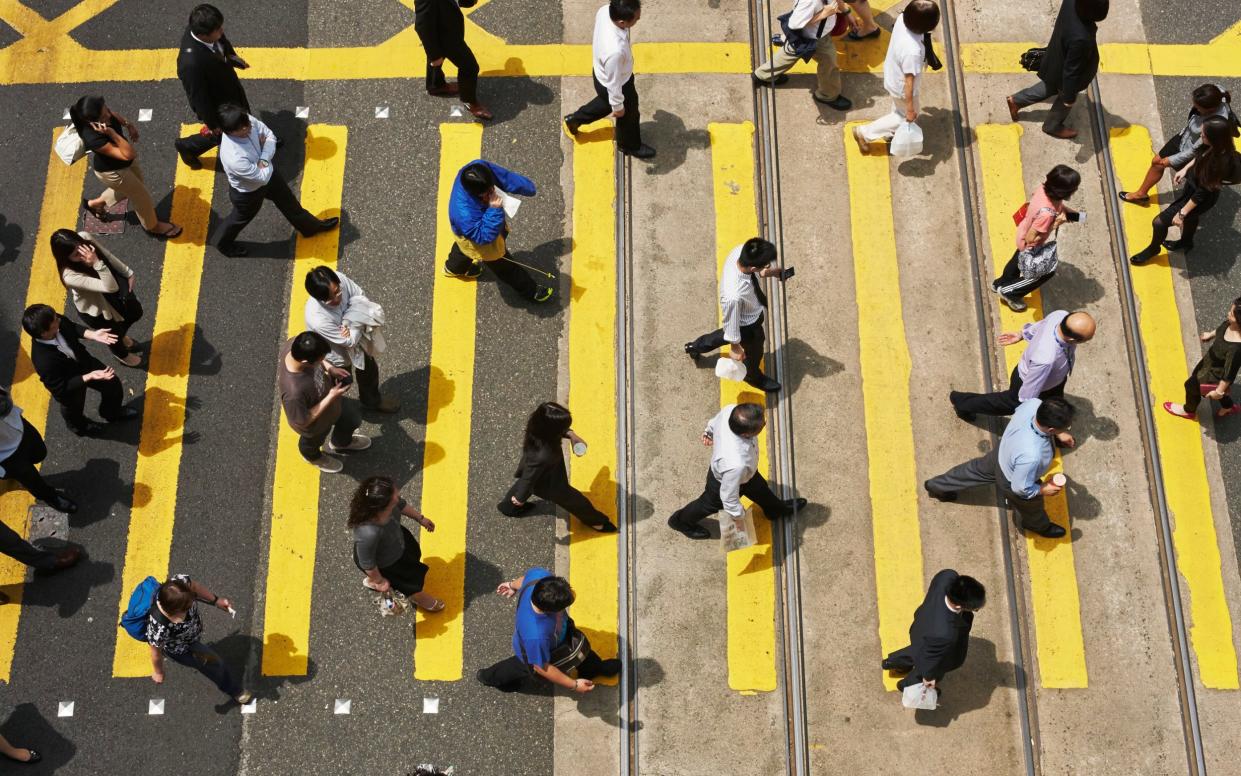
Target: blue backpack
{"x": 134, "y": 620}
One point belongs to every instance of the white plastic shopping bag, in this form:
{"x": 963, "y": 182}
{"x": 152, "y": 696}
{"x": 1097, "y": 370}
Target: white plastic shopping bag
{"x": 737, "y": 533}
{"x": 920, "y": 696}
{"x": 728, "y": 369}
{"x": 907, "y": 141}
{"x": 69, "y": 146}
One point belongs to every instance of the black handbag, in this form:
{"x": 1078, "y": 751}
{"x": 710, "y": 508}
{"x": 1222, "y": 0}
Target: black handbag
{"x": 573, "y": 651}
{"x": 1032, "y": 60}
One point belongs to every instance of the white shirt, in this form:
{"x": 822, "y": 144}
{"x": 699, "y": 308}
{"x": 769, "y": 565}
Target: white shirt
{"x": 11, "y": 430}
{"x": 60, "y": 344}
{"x": 734, "y": 459}
{"x": 803, "y": 12}
{"x": 906, "y": 55}
{"x": 247, "y": 160}
{"x": 326, "y": 320}
{"x": 216, "y": 48}
{"x": 613, "y": 57}
{"x": 739, "y": 305}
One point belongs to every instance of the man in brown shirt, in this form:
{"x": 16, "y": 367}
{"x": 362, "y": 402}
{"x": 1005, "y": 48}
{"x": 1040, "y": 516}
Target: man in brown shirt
{"x": 312, "y": 392}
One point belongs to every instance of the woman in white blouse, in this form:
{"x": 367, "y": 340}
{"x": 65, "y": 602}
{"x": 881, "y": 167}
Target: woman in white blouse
{"x": 102, "y": 288}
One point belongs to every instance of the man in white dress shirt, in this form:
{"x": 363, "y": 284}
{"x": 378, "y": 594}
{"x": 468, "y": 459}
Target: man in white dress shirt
{"x": 246, "y": 150}
{"x": 811, "y": 21}
{"x": 732, "y": 435}
{"x": 742, "y": 303}
{"x": 615, "y": 94}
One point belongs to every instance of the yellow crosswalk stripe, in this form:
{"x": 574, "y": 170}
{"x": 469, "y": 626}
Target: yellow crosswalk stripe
{"x": 1053, "y": 576}
{"x": 60, "y": 209}
{"x": 885, "y": 369}
{"x": 295, "y": 483}
{"x": 751, "y": 578}
{"x": 1180, "y": 442}
{"x": 446, "y": 461}
{"x": 593, "y": 569}
{"x": 163, "y": 405}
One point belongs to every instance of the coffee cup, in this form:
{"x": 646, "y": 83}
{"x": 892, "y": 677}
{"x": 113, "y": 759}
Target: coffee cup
{"x": 1059, "y": 480}
{"x": 579, "y": 449}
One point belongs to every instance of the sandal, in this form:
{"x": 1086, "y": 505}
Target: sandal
{"x": 102, "y": 215}
{"x": 438, "y": 606}
{"x": 1168, "y": 408}
{"x": 852, "y": 34}
{"x": 1124, "y": 197}
{"x": 174, "y": 232}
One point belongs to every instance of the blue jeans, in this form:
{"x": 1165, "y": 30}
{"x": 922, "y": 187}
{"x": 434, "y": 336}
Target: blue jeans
{"x": 208, "y": 662}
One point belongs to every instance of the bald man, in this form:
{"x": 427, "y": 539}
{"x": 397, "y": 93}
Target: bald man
{"x": 1044, "y": 367}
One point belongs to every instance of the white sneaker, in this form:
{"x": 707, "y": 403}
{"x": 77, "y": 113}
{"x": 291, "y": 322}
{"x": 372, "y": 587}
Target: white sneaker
{"x": 359, "y": 442}
{"x": 327, "y": 463}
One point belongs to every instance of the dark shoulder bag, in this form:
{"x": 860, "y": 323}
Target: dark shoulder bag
{"x": 1032, "y": 60}
{"x": 797, "y": 41}
{"x": 573, "y": 651}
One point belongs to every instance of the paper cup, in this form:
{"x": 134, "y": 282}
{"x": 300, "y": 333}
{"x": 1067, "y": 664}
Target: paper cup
{"x": 579, "y": 449}
{"x": 1059, "y": 480}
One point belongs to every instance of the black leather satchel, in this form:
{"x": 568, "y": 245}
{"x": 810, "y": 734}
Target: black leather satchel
{"x": 1032, "y": 60}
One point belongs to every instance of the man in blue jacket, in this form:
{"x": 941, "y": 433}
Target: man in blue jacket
{"x": 476, "y": 215}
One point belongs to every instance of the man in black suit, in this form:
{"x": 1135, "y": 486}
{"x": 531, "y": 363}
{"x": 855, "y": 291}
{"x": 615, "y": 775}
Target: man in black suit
{"x": 67, "y": 369}
{"x": 1068, "y": 67}
{"x": 207, "y": 67}
{"x": 940, "y": 633}
{"x": 441, "y": 28}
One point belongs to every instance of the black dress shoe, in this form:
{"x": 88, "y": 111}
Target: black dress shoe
{"x": 62, "y": 503}
{"x": 1143, "y": 256}
{"x": 891, "y": 665}
{"x": 764, "y": 383}
{"x": 90, "y": 428}
{"x": 126, "y": 413}
{"x": 1052, "y": 531}
{"x": 1177, "y": 245}
{"x": 643, "y": 151}
{"x": 607, "y": 527}
{"x": 233, "y": 251}
{"x": 792, "y": 505}
{"x": 66, "y": 558}
{"x": 777, "y": 81}
{"x": 328, "y": 224}
{"x": 190, "y": 161}
{"x": 839, "y": 102}
{"x": 691, "y": 352}
{"x": 691, "y": 531}
{"x": 938, "y": 496}
{"x": 968, "y": 417}
{"x": 571, "y": 126}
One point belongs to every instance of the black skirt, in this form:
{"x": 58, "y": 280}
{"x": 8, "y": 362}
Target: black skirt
{"x": 408, "y": 573}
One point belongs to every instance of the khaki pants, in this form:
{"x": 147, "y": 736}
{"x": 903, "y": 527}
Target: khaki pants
{"x": 128, "y": 184}
{"x": 828, "y": 86}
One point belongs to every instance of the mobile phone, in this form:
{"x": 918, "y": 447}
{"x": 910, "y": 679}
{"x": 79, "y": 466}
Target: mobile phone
{"x": 787, "y": 273}
{"x": 347, "y": 380}
{"x": 1077, "y": 216}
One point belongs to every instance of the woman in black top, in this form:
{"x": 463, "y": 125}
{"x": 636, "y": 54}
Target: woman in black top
{"x": 116, "y": 164}
{"x": 1215, "y": 373}
{"x": 1207, "y": 100}
{"x": 542, "y": 471}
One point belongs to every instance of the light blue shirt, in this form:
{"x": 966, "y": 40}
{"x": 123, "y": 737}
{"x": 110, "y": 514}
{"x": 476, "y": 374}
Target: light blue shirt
{"x": 1025, "y": 451}
{"x": 247, "y": 160}
{"x": 1048, "y": 360}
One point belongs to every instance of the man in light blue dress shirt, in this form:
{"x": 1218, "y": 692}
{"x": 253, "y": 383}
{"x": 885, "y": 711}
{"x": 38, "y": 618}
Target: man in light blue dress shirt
{"x": 1018, "y": 464}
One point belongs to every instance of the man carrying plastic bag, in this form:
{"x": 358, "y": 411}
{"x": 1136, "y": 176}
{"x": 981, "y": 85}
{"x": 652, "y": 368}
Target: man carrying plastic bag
{"x": 908, "y": 50}
{"x": 938, "y": 637}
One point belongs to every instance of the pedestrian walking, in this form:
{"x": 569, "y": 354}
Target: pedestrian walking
{"x": 1215, "y": 164}
{"x": 68, "y": 370}
{"x": 1018, "y": 464}
{"x": 1212, "y": 377}
{"x": 480, "y": 226}
{"x": 19, "y": 754}
{"x": 1037, "y": 255}
{"x": 940, "y": 634}
{"x": 102, "y": 288}
{"x": 21, "y": 450}
{"x": 908, "y": 50}
{"x": 542, "y": 471}
{"x": 174, "y": 629}
{"x": 385, "y": 551}
{"x": 615, "y": 92}
{"x": 546, "y": 643}
{"x": 207, "y": 66}
{"x": 743, "y": 305}
{"x": 807, "y": 35}
{"x": 441, "y": 28}
{"x": 339, "y": 311}
{"x": 1069, "y": 64}
{"x": 312, "y": 392}
{"x": 111, "y": 138}
{"x": 1208, "y": 100}
{"x": 246, "y": 151}
{"x": 1043, "y": 370}
{"x": 733, "y": 473}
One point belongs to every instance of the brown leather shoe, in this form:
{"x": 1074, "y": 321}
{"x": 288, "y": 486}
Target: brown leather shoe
{"x": 67, "y": 557}
{"x": 478, "y": 110}
{"x": 447, "y": 90}
{"x": 1012, "y": 108}
{"x": 1064, "y": 133}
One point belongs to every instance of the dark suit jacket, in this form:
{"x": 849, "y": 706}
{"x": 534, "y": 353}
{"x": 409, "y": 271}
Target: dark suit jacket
{"x": 209, "y": 80}
{"x": 1072, "y": 57}
{"x": 63, "y": 375}
{"x": 939, "y": 637}
{"x": 439, "y": 23}
{"x": 541, "y": 471}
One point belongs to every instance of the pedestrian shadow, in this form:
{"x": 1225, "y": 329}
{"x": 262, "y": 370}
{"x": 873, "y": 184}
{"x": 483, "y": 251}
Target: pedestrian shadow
{"x": 937, "y": 145}
{"x": 801, "y": 360}
{"x": 239, "y": 649}
{"x": 11, "y": 238}
{"x": 861, "y": 88}
{"x": 200, "y": 356}
{"x": 67, "y": 591}
{"x": 605, "y": 706}
{"x": 668, "y": 133}
{"x": 549, "y": 309}
{"x": 520, "y": 93}
{"x": 1072, "y": 289}
{"x": 158, "y": 431}
{"x": 97, "y": 487}
{"x": 1088, "y": 424}
{"x": 1215, "y": 244}
{"x": 27, "y": 728}
{"x": 970, "y": 688}
{"x": 481, "y": 578}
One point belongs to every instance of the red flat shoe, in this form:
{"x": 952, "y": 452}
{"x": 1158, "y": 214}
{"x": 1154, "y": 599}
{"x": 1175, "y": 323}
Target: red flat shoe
{"x": 1167, "y": 406}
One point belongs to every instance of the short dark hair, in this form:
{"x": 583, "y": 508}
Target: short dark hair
{"x": 175, "y": 596}
{"x": 309, "y": 347}
{"x": 921, "y": 16}
{"x": 205, "y": 19}
{"x": 319, "y": 282}
{"x": 1092, "y": 10}
{"x": 968, "y": 592}
{"x": 552, "y": 594}
{"x": 624, "y": 10}
{"x": 746, "y": 419}
{"x": 477, "y": 178}
{"x": 1055, "y": 413}
{"x": 37, "y": 319}
{"x": 757, "y": 252}
{"x": 1062, "y": 182}
{"x": 233, "y": 117}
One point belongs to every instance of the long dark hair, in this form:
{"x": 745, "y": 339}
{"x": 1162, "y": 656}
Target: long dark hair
{"x": 64, "y": 243}
{"x": 372, "y": 495}
{"x": 1209, "y": 96}
{"x": 1215, "y": 158}
{"x": 85, "y": 110}
{"x": 546, "y": 426}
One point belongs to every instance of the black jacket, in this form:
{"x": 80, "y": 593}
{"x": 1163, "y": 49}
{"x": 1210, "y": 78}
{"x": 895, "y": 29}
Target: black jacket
{"x": 63, "y": 375}
{"x": 1072, "y": 57}
{"x": 440, "y": 23}
{"x": 541, "y": 470}
{"x": 939, "y": 637}
{"x": 209, "y": 80}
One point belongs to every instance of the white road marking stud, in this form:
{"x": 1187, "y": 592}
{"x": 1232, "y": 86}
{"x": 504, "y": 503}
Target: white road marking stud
{"x": 343, "y": 706}
{"x": 430, "y": 705}
{"x": 144, "y": 114}
{"x": 251, "y": 707}
{"x": 155, "y": 706}
{"x": 456, "y": 112}
{"x": 65, "y": 709}
{"x": 381, "y": 111}
{"x": 66, "y": 116}
{"x": 302, "y": 112}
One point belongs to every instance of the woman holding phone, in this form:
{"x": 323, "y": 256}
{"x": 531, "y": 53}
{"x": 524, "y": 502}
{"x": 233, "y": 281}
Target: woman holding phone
{"x": 102, "y": 288}
{"x": 1043, "y": 215}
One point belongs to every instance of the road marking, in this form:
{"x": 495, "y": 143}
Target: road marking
{"x": 751, "y": 579}
{"x": 593, "y": 564}
{"x": 158, "y": 468}
{"x": 295, "y": 483}
{"x": 1182, "y": 459}
{"x": 885, "y": 369}
{"x": 450, "y": 397}
{"x": 61, "y": 200}
{"x": 1053, "y": 575}
{"x": 65, "y": 708}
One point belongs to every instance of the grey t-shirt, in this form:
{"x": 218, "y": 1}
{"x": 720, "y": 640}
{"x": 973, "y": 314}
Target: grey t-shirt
{"x": 380, "y": 544}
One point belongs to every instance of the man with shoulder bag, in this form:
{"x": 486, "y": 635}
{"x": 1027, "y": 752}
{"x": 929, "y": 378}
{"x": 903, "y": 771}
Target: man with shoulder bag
{"x": 807, "y": 34}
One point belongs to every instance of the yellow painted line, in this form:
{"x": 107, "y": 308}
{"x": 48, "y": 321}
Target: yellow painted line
{"x": 751, "y": 579}
{"x": 163, "y": 405}
{"x": 446, "y": 462}
{"x": 295, "y": 483}
{"x": 61, "y": 200}
{"x": 886, "y": 367}
{"x": 1181, "y": 457}
{"x": 1053, "y": 575}
{"x": 593, "y": 569}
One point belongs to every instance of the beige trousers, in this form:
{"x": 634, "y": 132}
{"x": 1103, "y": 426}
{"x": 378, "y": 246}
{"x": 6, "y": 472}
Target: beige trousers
{"x": 828, "y": 86}
{"x": 128, "y": 184}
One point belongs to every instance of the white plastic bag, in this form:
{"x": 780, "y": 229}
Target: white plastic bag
{"x": 737, "y": 533}
{"x": 907, "y": 141}
{"x": 69, "y": 146}
{"x": 728, "y": 369}
{"x": 919, "y": 696}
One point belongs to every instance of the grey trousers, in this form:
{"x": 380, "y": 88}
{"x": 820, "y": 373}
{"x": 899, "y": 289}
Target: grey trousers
{"x": 985, "y": 470}
{"x": 1041, "y": 92}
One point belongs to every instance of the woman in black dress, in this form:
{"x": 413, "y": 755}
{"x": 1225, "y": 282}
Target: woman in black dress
{"x": 542, "y": 471}
{"x": 1215, "y": 373}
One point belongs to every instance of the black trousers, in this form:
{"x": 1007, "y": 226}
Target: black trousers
{"x": 1193, "y": 392}
{"x": 198, "y": 144}
{"x": 311, "y": 447}
{"x": 1163, "y": 222}
{"x": 565, "y": 496}
{"x": 708, "y": 503}
{"x": 20, "y": 465}
{"x": 903, "y": 660}
{"x": 131, "y": 312}
{"x": 208, "y": 662}
{"x": 511, "y": 673}
{"x": 459, "y": 54}
{"x": 110, "y": 396}
{"x": 367, "y": 379}
{"x": 1000, "y": 402}
{"x": 628, "y": 131}
{"x": 1012, "y": 285}
{"x": 753, "y": 338}
{"x": 505, "y": 271}
{"x": 246, "y": 205}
